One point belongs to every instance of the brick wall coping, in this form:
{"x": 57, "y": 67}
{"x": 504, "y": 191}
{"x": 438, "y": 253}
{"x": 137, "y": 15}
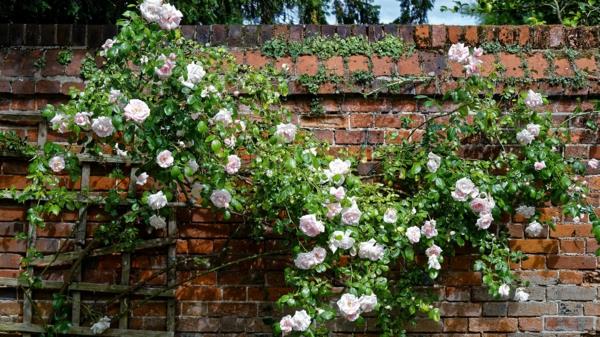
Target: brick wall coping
{"x": 424, "y": 36}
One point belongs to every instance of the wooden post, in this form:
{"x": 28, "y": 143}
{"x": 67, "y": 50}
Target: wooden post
{"x": 80, "y": 234}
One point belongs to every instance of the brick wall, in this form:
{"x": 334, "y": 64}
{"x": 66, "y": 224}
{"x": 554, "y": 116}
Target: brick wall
{"x": 563, "y": 271}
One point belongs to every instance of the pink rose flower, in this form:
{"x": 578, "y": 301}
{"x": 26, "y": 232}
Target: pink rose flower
{"x": 428, "y": 229}
{"x": 82, "y": 119}
{"x": 233, "y": 164}
{"x": 103, "y": 126}
{"x": 136, "y": 110}
{"x": 310, "y": 226}
{"x": 220, "y": 198}
{"x": 165, "y": 159}
{"x": 287, "y": 132}
{"x": 57, "y": 163}
{"x": 539, "y": 165}
{"x": 413, "y": 234}
{"x": 458, "y": 52}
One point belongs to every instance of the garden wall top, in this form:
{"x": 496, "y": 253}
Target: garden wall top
{"x": 424, "y": 36}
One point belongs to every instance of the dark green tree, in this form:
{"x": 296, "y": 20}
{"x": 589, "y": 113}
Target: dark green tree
{"x": 414, "y": 11}
{"x": 356, "y": 11}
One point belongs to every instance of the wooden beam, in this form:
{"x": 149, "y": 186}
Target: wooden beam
{"x": 84, "y": 331}
{"x": 67, "y": 257}
{"x": 8, "y": 282}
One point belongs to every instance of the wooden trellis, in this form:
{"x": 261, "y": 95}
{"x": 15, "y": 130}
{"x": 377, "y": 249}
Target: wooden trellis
{"x": 77, "y": 287}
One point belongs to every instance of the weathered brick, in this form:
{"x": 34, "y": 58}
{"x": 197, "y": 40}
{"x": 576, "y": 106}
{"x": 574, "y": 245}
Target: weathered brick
{"x": 532, "y": 308}
{"x": 565, "y": 323}
{"x": 493, "y": 324}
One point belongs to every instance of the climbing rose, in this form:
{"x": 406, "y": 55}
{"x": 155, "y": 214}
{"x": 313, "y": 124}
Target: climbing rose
{"x": 349, "y": 306}
{"x": 458, "y": 52}
{"x": 233, "y": 164}
{"x": 57, "y": 163}
{"x": 286, "y": 324}
{"x": 102, "y": 325}
{"x": 533, "y": 99}
{"x": 338, "y": 166}
{"x": 158, "y": 222}
{"x": 521, "y": 295}
{"x": 504, "y": 290}
{"x": 220, "y": 198}
{"x": 193, "y": 165}
{"x": 150, "y": 10}
{"x": 351, "y": 215}
{"x": 108, "y": 44}
{"x": 301, "y": 321}
{"x": 223, "y": 116}
{"x": 485, "y": 220}
{"x": 534, "y": 229}
{"x": 141, "y": 179}
{"x": 196, "y": 190}
{"x": 60, "y": 122}
{"x": 367, "y": 302}
{"x": 339, "y": 193}
{"x": 539, "y": 165}
{"x": 333, "y": 209}
{"x": 341, "y": 240}
{"x": 482, "y": 204}
{"x": 310, "y": 259}
{"x": 433, "y": 262}
{"x": 157, "y": 200}
{"x": 594, "y": 163}
{"x": 428, "y": 229}
{"x": 413, "y": 234}
{"x": 114, "y": 95}
{"x": 83, "y": 119}
{"x": 464, "y": 188}
{"x": 525, "y": 137}
{"x": 526, "y": 211}
{"x": 170, "y": 17}
{"x": 433, "y": 162}
{"x": 310, "y": 226}
{"x": 434, "y": 250}
{"x": 164, "y": 71}
{"x": 390, "y": 215}
{"x": 195, "y": 73}
{"x": 371, "y": 250}
{"x": 473, "y": 65}
{"x": 102, "y": 126}
{"x": 433, "y": 253}
{"x": 120, "y": 152}
{"x": 534, "y": 129}
{"x": 165, "y": 159}
{"x": 287, "y": 132}
{"x": 136, "y": 110}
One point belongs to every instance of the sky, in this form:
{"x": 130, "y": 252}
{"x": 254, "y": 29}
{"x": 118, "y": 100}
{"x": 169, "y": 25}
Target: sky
{"x": 390, "y": 10}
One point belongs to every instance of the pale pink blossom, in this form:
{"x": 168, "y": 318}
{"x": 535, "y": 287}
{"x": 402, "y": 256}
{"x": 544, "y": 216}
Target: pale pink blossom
{"x": 286, "y": 324}
{"x": 233, "y": 164}
{"x": 341, "y": 240}
{"x": 464, "y": 188}
{"x": 485, "y": 220}
{"x": 368, "y": 302}
{"x": 339, "y": 193}
{"x": 539, "y": 165}
{"x": 413, "y": 234}
{"x": 594, "y": 163}
{"x": 157, "y": 200}
{"x": 333, "y": 209}
{"x": 458, "y": 52}
{"x": 169, "y": 17}
{"x": 339, "y": 167}
{"x": 165, "y": 159}
{"x": 60, "y": 122}
{"x": 103, "y": 126}
{"x": 136, "y": 110}
{"x": 534, "y": 229}
{"x": 114, "y": 95}
{"x": 287, "y": 132}
{"x": 484, "y": 203}
{"x": 301, "y": 320}
{"x": 102, "y": 325}
{"x": 349, "y": 306}
{"x": 390, "y": 215}
{"x": 521, "y": 295}
{"x": 310, "y": 226}
{"x": 525, "y": 137}
{"x": 533, "y": 99}
{"x": 428, "y": 229}
{"x": 166, "y": 69}
{"x": 108, "y": 44}
{"x": 195, "y": 73}
{"x": 434, "y": 250}
{"x": 229, "y": 142}
{"x": 504, "y": 290}
{"x": 223, "y": 116}
{"x": 433, "y": 162}
{"x": 534, "y": 129}
{"x": 220, "y": 198}
{"x": 433, "y": 262}
{"x": 57, "y": 163}
{"x": 351, "y": 215}
{"x": 142, "y": 179}
{"x": 82, "y": 119}
{"x": 150, "y": 10}
{"x": 310, "y": 259}
{"x": 157, "y": 222}
{"x": 473, "y": 65}
{"x": 371, "y": 250}
{"x": 526, "y": 211}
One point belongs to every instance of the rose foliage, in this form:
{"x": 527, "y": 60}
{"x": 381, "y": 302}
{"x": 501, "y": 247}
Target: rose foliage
{"x": 208, "y": 132}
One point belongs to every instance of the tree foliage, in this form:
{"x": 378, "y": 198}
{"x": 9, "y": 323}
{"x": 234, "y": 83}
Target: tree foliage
{"x": 517, "y": 12}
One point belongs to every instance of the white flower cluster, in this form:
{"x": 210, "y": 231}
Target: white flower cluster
{"x": 527, "y": 135}
{"x": 460, "y": 53}
{"x": 351, "y": 306}
{"x": 299, "y": 322}
{"x": 481, "y": 203}
{"x": 166, "y": 15}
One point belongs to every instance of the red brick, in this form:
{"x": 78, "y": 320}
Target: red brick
{"x": 535, "y": 246}
{"x": 569, "y": 323}
{"x": 455, "y": 34}
{"x": 382, "y": 66}
{"x": 438, "y": 36}
{"x": 571, "y": 262}
{"x": 256, "y": 59}
{"x": 534, "y": 262}
{"x": 335, "y": 65}
{"x": 350, "y": 137}
{"x": 587, "y": 64}
{"x": 11, "y": 261}
{"x": 361, "y": 120}
{"x": 537, "y": 65}
{"x": 307, "y": 64}
{"x": 493, "y": 324}
{"x": 184, "y": 293}
{"x": 568, "y": 231}
{"x": 409, "y": 65}
{"x": 570, "y": 277}
{"x": 530, "y": 324}
{"x": 461, "y": 278}
{"x": 422, "y": 36}
{"x": 572, "y": 246}
{"x": 512, "y": 64}
{"x": 563, "y": 67}
{"x": 472, "y": 35}
{"x": 358, "y": 63}
{"x": 456, "y": 324}
{"x": 194, "y": 246}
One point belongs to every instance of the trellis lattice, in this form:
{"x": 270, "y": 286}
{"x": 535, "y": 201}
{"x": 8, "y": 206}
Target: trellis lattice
{"x": 124, "y": 290}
